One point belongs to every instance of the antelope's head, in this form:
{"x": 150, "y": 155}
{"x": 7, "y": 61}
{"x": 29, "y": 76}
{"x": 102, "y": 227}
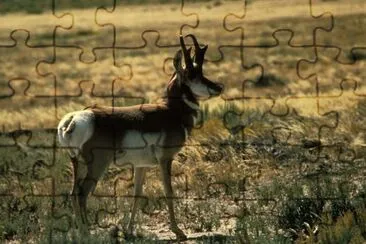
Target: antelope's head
{"x": 191, "y": 80}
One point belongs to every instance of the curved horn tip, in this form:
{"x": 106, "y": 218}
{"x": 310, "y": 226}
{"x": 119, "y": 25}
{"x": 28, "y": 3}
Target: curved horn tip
{"x": 195, "y": 42}
{"x": 181, "y": 40}
{"x": 188, "y": 35}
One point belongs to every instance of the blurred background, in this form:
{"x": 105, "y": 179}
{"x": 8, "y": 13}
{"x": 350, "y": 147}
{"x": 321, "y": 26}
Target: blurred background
{"x": 287, "y": 134}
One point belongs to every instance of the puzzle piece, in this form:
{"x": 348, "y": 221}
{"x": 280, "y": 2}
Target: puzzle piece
{"x": 22, "y": 103}
{"x": 251, "y": 22}
{"x": 102, "y": 73}
{"x": 20, "y": 212}
{"x": 207, "y": 16}
{"x": 271, "y": 62}
{"x": 339, "y": 35}
{"x": 241, "y": 115}
{"x": 37, "y": 20}
{"x": 326, "y": 72}
{"x": 277, "y": 158}
{"x": 19, "y": 60}
{"x": 18, "y": 164}
{"x": 232, "y": 72}
{"x": 126, "y": 18}
{"x": 86, "y": 33}
{"x": 155, "y": 60}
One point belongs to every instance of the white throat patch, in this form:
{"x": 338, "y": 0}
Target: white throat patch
{"x": 198, "y": 89}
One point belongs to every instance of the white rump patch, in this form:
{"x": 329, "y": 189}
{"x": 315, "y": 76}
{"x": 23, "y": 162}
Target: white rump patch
{"x": 75, "y": 129}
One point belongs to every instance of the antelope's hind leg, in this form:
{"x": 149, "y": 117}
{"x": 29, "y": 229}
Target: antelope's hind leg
{"x": 97, "y": 160}
{"x": 77, "y": 179}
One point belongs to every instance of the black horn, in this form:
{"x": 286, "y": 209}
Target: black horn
{"x": 199, "y": 52}
{"x": 186, "y": 54}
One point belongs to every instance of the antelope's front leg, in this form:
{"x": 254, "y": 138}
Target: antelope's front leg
{"x": 138, "y": 184}
{"x": 165, "y": 167}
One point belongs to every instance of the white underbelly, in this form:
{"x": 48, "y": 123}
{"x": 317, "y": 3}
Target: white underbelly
{"x": 141, "y": 150}
{"x": 137, "y": 158}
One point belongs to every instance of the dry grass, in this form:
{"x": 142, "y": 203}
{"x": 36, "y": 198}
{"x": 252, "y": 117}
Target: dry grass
{"x": 251, "y": 140}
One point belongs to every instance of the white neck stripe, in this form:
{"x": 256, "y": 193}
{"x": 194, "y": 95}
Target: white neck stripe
{"x": 190, "y": 104}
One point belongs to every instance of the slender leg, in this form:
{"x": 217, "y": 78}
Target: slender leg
{"x": 165, "y": 167}
{"x": 138, "y": 183}
{"x": 86, "y": 187}
{"x": 97, "y": 161}
{"x": 75, "y": 191}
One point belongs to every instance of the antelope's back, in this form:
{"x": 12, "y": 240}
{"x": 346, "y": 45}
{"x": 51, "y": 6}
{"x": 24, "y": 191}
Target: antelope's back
{"x": 144, "y": 120}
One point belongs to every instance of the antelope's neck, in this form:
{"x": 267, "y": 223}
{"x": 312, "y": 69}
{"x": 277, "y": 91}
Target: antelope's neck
{"x": 180, "y": 100}
{"x": 188, "y": 115}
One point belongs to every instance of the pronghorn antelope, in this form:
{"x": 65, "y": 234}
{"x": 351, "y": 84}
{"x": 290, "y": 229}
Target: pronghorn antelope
{"x": 147, "y": 135}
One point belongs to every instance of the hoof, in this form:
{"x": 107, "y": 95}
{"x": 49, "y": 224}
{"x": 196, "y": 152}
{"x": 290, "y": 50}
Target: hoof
{"x": 180, "y": 235}
{"x": 117, "y": 233}
{"x": 131, "y": 235}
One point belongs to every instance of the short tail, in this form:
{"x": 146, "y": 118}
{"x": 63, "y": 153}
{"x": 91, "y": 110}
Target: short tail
{"x": 66, "y": 128}
{"x": 75, "y": 129}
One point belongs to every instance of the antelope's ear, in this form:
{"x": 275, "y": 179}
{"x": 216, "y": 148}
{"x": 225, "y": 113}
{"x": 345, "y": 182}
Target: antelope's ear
{"x": 177, "y": 61}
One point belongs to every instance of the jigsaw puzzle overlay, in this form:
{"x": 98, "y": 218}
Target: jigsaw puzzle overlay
{"x": 277, "y": 157}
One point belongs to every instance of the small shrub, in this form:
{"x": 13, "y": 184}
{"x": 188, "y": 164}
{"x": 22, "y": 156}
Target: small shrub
{"x": 340, "y": 208}
{"x": 299, "y": 212}
{"x": 357, "y": 55}
{"x": 270, "y": 80}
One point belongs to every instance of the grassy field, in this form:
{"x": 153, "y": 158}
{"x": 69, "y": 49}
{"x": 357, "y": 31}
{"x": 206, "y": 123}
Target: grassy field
{"x": 279, "y": 159}
{"x": 40, "y": 6}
